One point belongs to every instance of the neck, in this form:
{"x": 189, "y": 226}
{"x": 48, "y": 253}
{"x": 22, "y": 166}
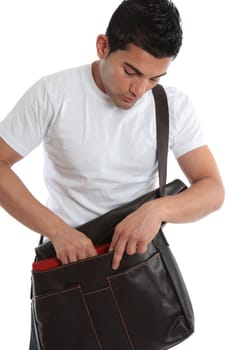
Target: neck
{"x": 96, "y": 75}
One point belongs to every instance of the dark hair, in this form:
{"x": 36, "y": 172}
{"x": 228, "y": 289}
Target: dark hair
{"x": 153, "y": 25}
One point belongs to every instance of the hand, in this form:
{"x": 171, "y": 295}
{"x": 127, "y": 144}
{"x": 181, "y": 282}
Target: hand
{"x": 72, "y": 245}
{"x": 135, "y": 232}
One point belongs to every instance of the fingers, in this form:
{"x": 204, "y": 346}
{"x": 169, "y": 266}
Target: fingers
{"x": 119, "y": 249}
{"x": 77, "y": 251}
{"x": 87, "y": 251}
{"x": 122, "y": 243}
{"x": 141, "y": 247}
{"x": 63, "y": 259}
{"x": 131, "y": 247}
{"x": 71, "y": 257}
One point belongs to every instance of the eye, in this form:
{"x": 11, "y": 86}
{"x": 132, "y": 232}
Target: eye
{"x": 129, "y": 71}
{"x": 154, "y": 80}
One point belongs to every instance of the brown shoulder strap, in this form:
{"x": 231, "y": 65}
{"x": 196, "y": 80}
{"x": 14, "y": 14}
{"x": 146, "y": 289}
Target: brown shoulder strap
{"x": 162, "y": 124}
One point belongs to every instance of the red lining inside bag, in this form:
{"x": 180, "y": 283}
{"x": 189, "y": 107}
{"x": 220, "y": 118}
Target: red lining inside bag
{"x": 51, "y": 263}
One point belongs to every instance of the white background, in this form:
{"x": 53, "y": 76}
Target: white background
{"x": 45, "y": 36}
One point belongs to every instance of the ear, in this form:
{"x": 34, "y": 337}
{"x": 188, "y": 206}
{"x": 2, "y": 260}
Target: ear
{"x": 102, "y": 46}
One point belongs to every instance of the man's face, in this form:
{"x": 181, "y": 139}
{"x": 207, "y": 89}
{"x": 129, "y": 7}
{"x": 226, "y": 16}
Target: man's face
{"x": 125, "y": 75}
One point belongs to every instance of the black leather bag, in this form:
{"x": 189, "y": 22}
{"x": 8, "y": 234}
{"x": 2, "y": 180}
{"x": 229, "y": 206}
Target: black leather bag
{"x": 86, "y": 305}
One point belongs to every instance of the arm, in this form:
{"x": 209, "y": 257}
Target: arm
{"x": 205, "y": 195}
{"x": 15, "y": 198}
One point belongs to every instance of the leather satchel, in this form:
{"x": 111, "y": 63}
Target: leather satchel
{"x": 144, "y": 305}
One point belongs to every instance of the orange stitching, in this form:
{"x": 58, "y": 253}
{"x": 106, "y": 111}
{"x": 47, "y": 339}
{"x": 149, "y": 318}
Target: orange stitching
{"x": 121, "y": 316}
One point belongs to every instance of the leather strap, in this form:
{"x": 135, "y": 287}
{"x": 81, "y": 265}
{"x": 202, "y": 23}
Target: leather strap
{"x": 162, "y": 125}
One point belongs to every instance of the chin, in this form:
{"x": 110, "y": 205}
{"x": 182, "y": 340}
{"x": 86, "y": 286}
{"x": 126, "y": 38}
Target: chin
{"x": 123, "y": 104}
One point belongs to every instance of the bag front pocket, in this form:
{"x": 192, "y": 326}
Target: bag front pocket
{"x": 63, "y": 321}
{"x": 148, "y": 306}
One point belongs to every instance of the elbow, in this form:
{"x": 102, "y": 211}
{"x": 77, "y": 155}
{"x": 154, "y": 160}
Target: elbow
{"x": 219, "y": 196}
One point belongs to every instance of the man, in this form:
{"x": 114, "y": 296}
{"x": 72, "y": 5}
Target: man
{"x": 97, "y": 124}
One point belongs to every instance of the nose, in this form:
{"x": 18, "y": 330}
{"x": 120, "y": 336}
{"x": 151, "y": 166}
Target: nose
{"x": 139, "y": 87}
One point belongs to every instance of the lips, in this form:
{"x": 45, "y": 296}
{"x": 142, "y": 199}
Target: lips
{"x": 128, "y": 99}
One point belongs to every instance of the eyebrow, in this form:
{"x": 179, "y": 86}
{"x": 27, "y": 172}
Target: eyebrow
{"x": 140, "y": 73}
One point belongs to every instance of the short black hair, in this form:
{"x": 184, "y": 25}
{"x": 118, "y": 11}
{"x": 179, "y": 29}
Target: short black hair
{"x": 153, "y": 25}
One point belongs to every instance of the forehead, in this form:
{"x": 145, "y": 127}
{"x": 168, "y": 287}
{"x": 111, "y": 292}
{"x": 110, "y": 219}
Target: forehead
{"x": 142, "y": 60}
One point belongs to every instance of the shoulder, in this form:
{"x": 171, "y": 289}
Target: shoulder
{"x": 64, "y": 85}
{"x": 181, "y": 108}
{"x": 185, "y": 125}
{"x": 64, "y": 78}
{"x": 177, "y": 99}
{"x": 49, "y": 85}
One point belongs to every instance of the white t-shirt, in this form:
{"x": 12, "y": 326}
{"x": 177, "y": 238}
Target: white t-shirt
{"x": 97, "y": 156}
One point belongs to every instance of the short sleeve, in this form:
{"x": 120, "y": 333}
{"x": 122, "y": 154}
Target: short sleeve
{"x": 26, "y": 125}
{"x": 185, "y": 127}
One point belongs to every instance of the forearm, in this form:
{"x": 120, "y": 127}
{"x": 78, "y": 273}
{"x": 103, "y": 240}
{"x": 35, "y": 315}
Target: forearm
{"x": 24, "y": 207}
{"x": 201, "y": 199}
{"x": 70, "y": 244}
